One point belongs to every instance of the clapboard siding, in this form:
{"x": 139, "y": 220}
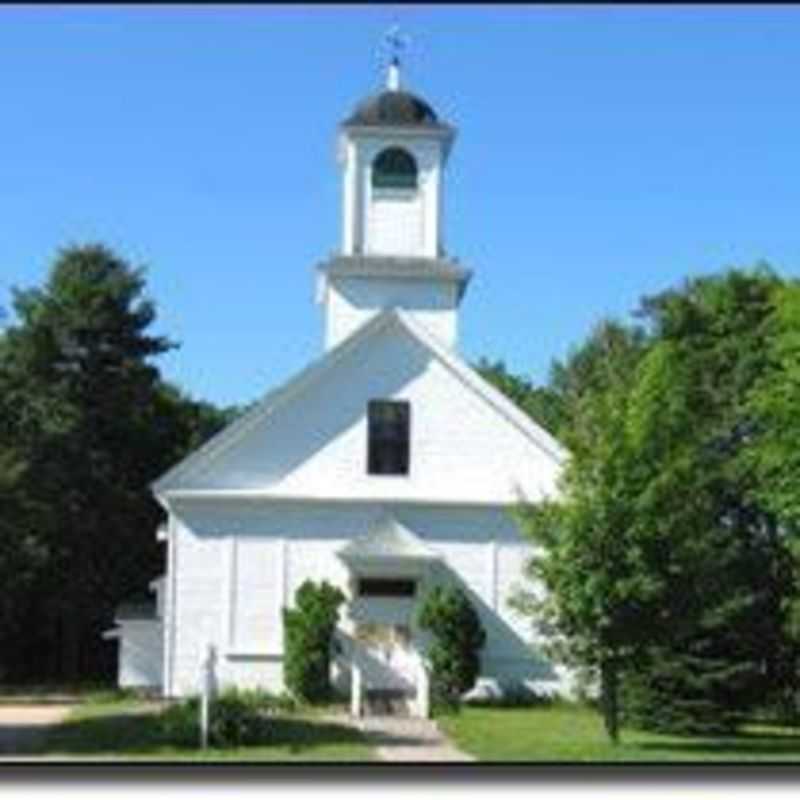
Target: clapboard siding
{"x": 241, "y": 563}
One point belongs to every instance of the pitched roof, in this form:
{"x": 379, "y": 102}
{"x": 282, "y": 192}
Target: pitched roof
{"x": 317, "y": 368}
{"x": 394, "y": 107}
{"x": 135, "y": 611}
{"x": 387, "y": 539}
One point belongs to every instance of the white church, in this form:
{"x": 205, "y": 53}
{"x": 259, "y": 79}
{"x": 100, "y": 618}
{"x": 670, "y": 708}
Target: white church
{"x": 386, "y": 466}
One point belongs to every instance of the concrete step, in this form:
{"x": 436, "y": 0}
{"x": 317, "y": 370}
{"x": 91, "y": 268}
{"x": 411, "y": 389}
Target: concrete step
{"x": 386, "y": 703}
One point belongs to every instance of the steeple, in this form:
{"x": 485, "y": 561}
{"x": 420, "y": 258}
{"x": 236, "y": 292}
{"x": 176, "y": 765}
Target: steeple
{"x": 393, "y": 150}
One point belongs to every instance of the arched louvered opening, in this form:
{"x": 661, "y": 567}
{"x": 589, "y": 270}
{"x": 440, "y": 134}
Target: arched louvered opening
{"x": 394, "y": 168}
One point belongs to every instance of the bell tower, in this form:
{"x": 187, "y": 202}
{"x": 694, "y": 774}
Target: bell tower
{"x": 392, "y": 150}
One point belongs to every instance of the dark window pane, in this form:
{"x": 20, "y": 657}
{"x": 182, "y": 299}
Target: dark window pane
{"x": 388, "y": 447}
{"x": 394, "y": 168}
{"x": 386, "y": 587}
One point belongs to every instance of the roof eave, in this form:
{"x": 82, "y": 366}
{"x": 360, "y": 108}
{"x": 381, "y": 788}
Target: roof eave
{"x": 438, "y": 130}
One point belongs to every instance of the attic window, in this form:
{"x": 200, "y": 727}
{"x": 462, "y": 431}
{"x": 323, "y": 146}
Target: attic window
{"x": 394, "y": 168}
{"x": 388, "y": 446}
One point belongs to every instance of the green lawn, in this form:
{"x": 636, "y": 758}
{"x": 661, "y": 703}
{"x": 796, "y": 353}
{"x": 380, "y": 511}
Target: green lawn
{"x": 575, "y": 733}
{"x": 108, "y": 726}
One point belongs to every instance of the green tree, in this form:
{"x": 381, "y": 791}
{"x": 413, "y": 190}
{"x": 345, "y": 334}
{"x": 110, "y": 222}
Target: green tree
{"x": 662, "y": 569}
{"x": 540, "y": 403}
{"x": 600, "y": 600}
{"x": 85, "y": 425}
{"x": 458, "y": 637}
{"x": 774, "y": 403}
{"x": 308, "y": 631}
{"x": 729, "y": 650}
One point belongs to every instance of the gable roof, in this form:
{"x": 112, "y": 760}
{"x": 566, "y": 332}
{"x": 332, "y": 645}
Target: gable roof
{"x": 317, "y": 368}
{"x": 387, "y": 539}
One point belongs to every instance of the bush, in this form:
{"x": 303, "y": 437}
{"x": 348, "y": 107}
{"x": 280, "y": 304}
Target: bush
{"x": 180, "y": 723}
{"x": 458, "y": 637}
{"x": 237, "y": 718}
{"x": 308, "y": 632}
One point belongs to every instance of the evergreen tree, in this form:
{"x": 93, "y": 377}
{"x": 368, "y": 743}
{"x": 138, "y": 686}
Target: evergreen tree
{"x": 668, "y": 570}
{"x": 85, "y": 425}
{"x": 728, "y": 649}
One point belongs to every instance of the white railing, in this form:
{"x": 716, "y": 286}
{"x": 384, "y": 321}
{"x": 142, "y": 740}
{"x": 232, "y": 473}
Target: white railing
{"x": 423, "y": 704}
{"x": 356, "y": 690}
{"x": 420, "y": 707}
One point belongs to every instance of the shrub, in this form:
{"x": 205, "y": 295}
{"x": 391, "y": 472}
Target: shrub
{"x": 180, "y": 723}
{"x": 237, "y": 718}
{"x": 308, "y": 633}
{"x": 677, "y": 696}
{"x": 458, "y": 637}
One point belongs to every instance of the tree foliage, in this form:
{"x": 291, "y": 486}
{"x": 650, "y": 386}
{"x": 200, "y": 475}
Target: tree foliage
{"x": 668, "y": 554}
{"x": 308, "y": 630}
{"x": 729, "y": 650}
{"x": 539, "y": 402}
{"x": 774, "y": 404}
{"x": 86, "y": 423}
{"x": 600, "y": 600}
{"x": 458, "y": 637}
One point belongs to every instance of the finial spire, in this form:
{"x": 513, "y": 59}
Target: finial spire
{"x": 394, "y": 42}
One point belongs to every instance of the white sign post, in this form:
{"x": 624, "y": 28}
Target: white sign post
{"x": 356, "y": 702}
{"x": 207, "y": 693}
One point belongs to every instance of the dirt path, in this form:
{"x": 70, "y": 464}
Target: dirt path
{"x": 403, "y": 739}
{"x": 21, "y": 725}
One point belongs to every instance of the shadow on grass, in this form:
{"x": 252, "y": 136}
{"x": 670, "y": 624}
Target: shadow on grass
{"x": 743, "y": 743}
{"x": 130, "y": 734}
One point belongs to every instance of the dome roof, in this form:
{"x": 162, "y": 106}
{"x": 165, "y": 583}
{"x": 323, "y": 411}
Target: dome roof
{"x": 394, "y": 108}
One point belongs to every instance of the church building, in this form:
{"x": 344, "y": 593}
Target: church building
{"x": 386, "y": 466}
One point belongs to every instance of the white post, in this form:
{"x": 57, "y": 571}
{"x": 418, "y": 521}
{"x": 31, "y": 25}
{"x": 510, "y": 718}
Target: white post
{"x": 206, "y": 694}
{"x": 356, "y": 704}
{"x": 423, "y": 690}
{"x": 393, "y": 76}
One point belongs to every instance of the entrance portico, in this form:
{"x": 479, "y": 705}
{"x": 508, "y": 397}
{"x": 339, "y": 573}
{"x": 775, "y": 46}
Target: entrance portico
{"x": 390, "y": 568}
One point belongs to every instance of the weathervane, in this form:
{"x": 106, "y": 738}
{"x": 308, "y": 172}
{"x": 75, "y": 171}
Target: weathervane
{"x": 392, "y": 44}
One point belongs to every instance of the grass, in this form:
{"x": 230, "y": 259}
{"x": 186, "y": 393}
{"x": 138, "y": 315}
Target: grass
{"x": 565, "y": 732}
{"x": 113, "y": 725}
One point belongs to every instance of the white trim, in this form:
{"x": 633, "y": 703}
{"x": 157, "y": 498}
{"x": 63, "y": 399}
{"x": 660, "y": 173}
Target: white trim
{"x": 169, "y": 633}
{"x": 495, "y": 587}
{"x": 231, "y": 596}
{"x": 254, "y": 655}
{"x": 284, "y": 580}
{"x": 265, "y": 495}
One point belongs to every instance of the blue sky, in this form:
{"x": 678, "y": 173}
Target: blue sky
{"x": 603, "y": 153}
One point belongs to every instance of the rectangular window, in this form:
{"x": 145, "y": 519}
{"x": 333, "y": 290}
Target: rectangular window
{"x": 385, "y": 587}
{"x": 388, "y": 448}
